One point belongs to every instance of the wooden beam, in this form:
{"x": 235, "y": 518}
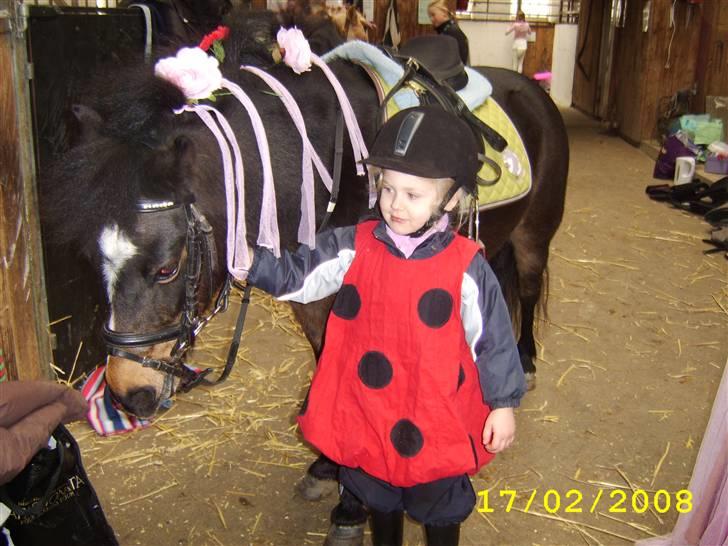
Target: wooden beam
{"x": 24, "y": 337}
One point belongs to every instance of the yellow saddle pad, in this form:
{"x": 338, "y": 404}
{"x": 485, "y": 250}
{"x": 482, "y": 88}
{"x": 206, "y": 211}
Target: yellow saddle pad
{"x": 515, "y": 180}
{"x": 516, "y": 176}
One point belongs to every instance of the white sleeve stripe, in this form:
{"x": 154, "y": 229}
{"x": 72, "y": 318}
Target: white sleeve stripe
{"x": 325, "y": 279}
{"x": 470, "y": 313}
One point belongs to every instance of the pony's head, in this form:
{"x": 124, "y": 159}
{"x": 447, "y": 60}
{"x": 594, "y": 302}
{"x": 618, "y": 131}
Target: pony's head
{"x": 131, "y": 197}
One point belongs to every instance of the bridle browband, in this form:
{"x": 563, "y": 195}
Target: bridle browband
{"x": 201, "y": 253}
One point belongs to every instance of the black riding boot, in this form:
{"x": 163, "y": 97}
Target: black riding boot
{"x": 387, "y": 528}
{"x": 443, "y": 535}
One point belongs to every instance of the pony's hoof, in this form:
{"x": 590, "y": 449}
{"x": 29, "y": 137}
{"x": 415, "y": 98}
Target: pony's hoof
{"x": 530, "y": 381}
{"x": 313, "y": 489}
{"x": 345, "y": 535}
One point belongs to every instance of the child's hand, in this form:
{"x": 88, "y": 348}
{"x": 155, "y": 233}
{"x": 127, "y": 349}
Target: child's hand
{"x": 499, "y": 430}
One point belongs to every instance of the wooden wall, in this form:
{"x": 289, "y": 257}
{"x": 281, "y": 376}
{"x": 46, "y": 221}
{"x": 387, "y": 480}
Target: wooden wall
{"x": 585, "y": 93}
{"x": 712, "y": 65}
{"x": 642, "y": 76}
{"x": 24, "y": 338}
{"x": 540, "y": 53}
{"x": 408, "y": 26}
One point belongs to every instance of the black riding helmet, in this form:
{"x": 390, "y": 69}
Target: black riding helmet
{"x": 429, "y": 142}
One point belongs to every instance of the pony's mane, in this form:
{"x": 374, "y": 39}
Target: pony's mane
{"x": 109, "y": 171}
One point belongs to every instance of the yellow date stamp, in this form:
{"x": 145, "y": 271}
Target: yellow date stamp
{"x": 573, "y": 501}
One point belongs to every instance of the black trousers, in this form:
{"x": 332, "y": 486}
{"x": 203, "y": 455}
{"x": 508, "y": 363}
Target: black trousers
{"x": 442, "y": 502}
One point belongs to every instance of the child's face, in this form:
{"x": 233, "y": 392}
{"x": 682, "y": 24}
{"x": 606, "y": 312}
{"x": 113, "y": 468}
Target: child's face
{"x": 407, "y": 201}
{"x": 437, "y": 16}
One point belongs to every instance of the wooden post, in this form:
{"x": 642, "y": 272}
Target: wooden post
{"x": 24, "y": 337}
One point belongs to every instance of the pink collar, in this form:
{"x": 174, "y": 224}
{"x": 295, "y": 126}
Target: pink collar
{"x": 407, "y": 244}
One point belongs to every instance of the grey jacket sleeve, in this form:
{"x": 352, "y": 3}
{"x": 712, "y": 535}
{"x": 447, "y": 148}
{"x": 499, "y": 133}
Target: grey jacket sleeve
{"x": 489, "y": 334}
{"x": 306, "y": 275}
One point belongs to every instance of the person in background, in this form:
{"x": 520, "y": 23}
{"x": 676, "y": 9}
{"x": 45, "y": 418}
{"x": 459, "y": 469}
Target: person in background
{"x": 444, "y": 22}
{"x": 520, "y": 30}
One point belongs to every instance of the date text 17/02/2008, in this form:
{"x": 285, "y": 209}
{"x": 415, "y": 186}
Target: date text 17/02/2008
{"x": 573, "y": 501}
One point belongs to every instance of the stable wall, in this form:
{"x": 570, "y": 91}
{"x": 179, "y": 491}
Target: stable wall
{"x": 650, "y": 60}
{"x": 554, "y": 49}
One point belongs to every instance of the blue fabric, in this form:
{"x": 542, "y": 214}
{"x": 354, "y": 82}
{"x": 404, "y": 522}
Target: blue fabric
{"x": 475, "y": 93}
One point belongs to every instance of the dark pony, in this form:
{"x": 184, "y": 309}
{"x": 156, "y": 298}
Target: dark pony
{"x": 136, "y": 151}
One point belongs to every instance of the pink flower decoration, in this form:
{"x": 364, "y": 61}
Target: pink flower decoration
{"x": 295, "y": 50}
{"x": 193, "y": 71}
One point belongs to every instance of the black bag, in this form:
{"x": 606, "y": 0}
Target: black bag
{"x": 52, "y": 501}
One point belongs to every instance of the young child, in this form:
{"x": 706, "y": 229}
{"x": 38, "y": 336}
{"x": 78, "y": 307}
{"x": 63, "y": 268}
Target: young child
{"x": 444, "y": 22}
{"x": 521, "y": 30}
{"x": 419, "y": 374}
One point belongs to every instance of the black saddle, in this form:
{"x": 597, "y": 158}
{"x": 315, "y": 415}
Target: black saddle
{"x": 433, "y": 62}
{"x": 440, "y": 57}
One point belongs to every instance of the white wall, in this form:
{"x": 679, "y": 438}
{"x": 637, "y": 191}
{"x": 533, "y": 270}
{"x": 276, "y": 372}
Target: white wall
{"x": 564, "y": 60}
{"x": 489, "y": 46}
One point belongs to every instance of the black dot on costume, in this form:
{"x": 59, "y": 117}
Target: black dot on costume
{"x": 347, "y": 303}
{"x": 435, "y": 307}
{"x": 406, "y": 438}
{"x": 375, "y": 371}
{"x": 461, "y": 377}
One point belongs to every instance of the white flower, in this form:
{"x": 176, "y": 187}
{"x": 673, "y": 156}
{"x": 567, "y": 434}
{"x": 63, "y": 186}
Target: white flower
{"x": 295, "y": 49}
{"x": 192, "y": 70}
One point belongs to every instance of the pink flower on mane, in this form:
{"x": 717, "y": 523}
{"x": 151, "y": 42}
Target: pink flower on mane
{"x": 193, "y": 71}
{"x": 295, "y": 50}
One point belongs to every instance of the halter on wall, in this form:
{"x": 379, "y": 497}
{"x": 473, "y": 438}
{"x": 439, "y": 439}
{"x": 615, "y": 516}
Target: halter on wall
{"x": 201, "y": 252}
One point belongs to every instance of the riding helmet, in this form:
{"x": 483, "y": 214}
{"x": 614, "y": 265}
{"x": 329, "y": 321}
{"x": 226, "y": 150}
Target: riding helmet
{"x": 429, "y": 142}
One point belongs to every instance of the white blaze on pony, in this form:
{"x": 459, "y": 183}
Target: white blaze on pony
{"x": 116, "y": 250}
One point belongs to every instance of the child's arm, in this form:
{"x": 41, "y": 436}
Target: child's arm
{"x": 489, "y": 334}
{"x": 305, "y": 275}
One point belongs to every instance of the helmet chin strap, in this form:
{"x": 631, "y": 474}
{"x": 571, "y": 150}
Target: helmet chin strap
{"x": 437, "y": 214}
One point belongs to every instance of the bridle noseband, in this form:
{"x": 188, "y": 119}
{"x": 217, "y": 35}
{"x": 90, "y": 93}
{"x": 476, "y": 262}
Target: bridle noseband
{"x": 201, "y": 253}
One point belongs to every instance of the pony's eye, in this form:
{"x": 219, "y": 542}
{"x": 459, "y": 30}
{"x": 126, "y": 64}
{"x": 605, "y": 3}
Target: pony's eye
{"x": 167, "y": 273}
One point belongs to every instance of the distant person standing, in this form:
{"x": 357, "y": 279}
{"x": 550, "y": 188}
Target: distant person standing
{"x": 520, "y": 30}
{"x": 444, "y": 22}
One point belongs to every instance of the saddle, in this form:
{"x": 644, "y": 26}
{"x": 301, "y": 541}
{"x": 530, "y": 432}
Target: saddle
{"x": 439, "y": 58}
{"x": 433, "y": 64}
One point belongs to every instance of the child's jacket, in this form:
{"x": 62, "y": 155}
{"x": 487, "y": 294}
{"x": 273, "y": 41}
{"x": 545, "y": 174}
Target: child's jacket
{"x": 397, "y": 392}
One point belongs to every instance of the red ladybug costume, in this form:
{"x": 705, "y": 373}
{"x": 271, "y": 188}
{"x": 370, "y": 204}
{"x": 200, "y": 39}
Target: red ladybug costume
{"x": 396, "y": 392}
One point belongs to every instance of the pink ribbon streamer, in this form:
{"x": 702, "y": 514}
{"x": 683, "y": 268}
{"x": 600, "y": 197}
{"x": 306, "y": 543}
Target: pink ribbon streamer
{"x": 357, "y": 140}
{"x": 238, "y": 257}
{"x": 307, "y": 226}
{"x": 268, "y": 235}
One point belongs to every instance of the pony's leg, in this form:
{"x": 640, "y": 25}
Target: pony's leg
{"x": 312, "y": 318}
{"x": 531, "y": 254}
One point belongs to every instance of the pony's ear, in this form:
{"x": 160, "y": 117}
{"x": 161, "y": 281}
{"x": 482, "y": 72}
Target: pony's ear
{"x": 89, "y": 122}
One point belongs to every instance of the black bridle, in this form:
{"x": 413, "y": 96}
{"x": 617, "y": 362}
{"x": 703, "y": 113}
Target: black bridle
{"x": 201, "y": 254}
